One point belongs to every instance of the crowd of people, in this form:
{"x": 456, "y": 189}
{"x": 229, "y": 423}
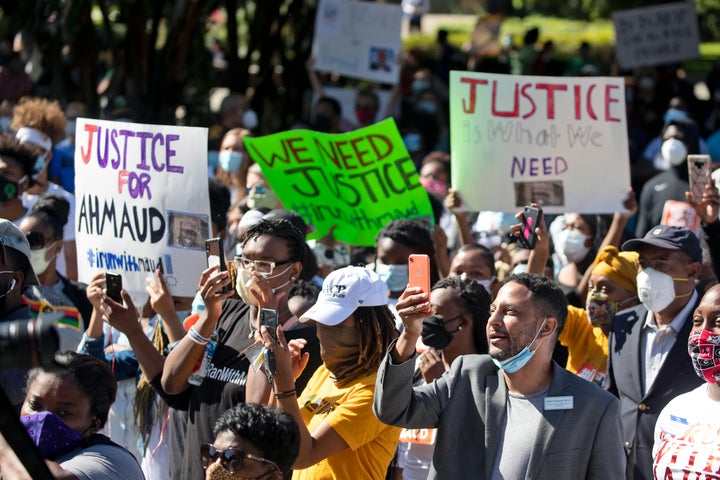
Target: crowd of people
{"x": 594, "y": 355}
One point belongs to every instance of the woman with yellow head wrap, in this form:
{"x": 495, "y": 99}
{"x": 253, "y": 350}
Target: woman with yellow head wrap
{"x": 611, "y": 289}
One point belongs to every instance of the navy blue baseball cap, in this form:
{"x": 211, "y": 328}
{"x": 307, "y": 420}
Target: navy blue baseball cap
{"x": 670, "y": 237}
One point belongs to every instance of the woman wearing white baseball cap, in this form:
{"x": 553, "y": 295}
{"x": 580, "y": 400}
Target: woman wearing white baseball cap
{"x": 340, "y": 435}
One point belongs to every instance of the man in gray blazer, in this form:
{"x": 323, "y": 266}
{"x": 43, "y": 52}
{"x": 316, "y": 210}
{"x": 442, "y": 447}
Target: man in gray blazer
{"x": 531, "y": 419}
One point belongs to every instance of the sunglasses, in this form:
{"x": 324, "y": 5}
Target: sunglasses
{"x": 231, "y": 459}
{"x": 36, "y": 240}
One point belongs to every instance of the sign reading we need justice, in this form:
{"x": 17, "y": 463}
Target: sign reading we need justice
{"x": 557, "y": 141}
{"x": 357, "y": 181}
{"x": 142, "y": 202}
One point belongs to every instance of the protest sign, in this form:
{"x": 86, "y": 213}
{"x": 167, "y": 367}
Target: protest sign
{"x": 656, "y": 35}
{"x": 557, "y": 141}
{"x": 484, "y": 40}
{"x": 358, "y": 39}
{"x": 358, "y": 181}
{"x": 142, "y": 203}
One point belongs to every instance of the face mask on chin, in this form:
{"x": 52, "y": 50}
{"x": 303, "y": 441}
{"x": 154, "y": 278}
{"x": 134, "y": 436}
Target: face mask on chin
{"x": 520, "y": 359}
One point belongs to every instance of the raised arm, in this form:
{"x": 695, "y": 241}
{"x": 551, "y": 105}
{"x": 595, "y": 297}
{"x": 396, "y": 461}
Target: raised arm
{"x": 162, "y": 303}
{"x": 181, "y": 362}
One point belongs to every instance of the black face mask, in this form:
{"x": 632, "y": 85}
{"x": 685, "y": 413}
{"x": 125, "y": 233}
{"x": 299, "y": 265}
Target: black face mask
{"x": 9, "y": 190}
{"x": 434, "y": 334}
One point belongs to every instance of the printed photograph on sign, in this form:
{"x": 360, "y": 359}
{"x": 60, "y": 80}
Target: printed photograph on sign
{"x": 550, "y": 193}
{"x": 187, "y": 230}
{"x": 381, "y": 59}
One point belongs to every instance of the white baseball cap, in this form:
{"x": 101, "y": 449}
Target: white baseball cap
{"x": 344, "y": 290}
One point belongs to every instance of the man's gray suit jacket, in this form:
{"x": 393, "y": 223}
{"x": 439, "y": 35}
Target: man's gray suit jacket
{"x": 467, "y": 406}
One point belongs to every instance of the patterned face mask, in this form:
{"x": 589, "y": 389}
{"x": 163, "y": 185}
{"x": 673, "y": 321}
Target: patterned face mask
{"x": 704, "y": 350}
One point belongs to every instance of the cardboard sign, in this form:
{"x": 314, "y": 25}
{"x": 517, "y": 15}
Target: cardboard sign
{"x": 656, "y": 35}
{"x": 557, "y": 141}
{"x": 358, "y": 181}
{"x": 142, "y": 203}
{"x": 358, "y": 39}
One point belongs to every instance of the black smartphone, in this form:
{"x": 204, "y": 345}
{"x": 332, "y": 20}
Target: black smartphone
{"x": 216, "y": 256}
{"x": 269, "y": 318}
{"x": 530, "y": 219}
{"x": 113, "y": 285}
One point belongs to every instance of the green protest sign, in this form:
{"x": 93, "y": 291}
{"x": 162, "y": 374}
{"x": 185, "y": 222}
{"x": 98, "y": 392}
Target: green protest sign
{"x": 359, "y": 180}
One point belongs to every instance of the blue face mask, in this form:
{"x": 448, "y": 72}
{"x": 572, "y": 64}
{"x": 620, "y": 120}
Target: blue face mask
{"x": 230, "y": 161}
{"x": 427, "y": 107}
{"x": 412, "y": 142}
{"x": 518, "y": 361}
{"x": 396, "y": 277}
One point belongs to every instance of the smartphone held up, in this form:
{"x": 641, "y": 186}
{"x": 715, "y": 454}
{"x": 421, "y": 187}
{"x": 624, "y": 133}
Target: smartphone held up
{"x": 530, "y": 219}
{"x": 216, "y": 257}
{"x": 419, "y": 273}
{"x": 699, "y": 172}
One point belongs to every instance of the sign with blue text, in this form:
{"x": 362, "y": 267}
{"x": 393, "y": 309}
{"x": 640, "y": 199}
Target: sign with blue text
{"x": 142, "y": 203}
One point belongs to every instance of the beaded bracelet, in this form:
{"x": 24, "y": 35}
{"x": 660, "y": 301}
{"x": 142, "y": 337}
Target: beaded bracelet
{"x": 196, "y": 337}
{"x": 287, "y": 394}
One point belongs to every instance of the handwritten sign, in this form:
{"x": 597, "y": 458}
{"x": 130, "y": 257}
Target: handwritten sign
{"x": 560, "y": 142}
{"x": 656, "y": 35}
{"x": 358, "y": 39}
{"x": 358, "y": 181}
{"x": 142, "y": 202}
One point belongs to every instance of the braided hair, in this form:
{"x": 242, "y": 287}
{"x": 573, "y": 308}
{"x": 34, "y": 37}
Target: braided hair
{"x": 414, "y": 235}
{"x": 377, "y": 329}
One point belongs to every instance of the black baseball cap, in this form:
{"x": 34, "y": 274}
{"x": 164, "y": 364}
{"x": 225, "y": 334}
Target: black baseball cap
{"x": 670, "y": 237}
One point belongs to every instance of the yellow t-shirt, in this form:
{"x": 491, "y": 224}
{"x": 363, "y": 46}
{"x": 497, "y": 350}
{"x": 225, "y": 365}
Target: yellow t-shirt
{"x": 349, "y": 412}
{"x": 587, "y": 346}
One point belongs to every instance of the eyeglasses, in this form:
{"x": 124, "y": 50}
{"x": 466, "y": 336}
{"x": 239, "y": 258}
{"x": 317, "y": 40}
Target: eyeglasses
{"x": 263, "y": 267}
{"x": 660, "y": 264}
{"x": 231, "y": 459}
{"x": 36, "y": 240}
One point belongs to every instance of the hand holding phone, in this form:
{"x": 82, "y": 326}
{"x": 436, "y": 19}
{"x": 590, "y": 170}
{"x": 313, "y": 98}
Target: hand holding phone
{"x": 269, "y": 318}
{"x": 419, "y": 273}
{"x": 529, "y": 221}
{"x": 698, "y": 175}
{"x": 216, "y": 256}
{"x": 113, "y": 286}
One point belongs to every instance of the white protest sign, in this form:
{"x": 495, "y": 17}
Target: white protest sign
{"x": 557, "y": 141}
{"x": 656, "y": 35}
{"x": 358, "y": 39}
{"x": 142, "y": 203}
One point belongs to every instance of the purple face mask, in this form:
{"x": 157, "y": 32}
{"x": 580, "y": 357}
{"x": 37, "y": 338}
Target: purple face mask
{"x": 51, "y": 435}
